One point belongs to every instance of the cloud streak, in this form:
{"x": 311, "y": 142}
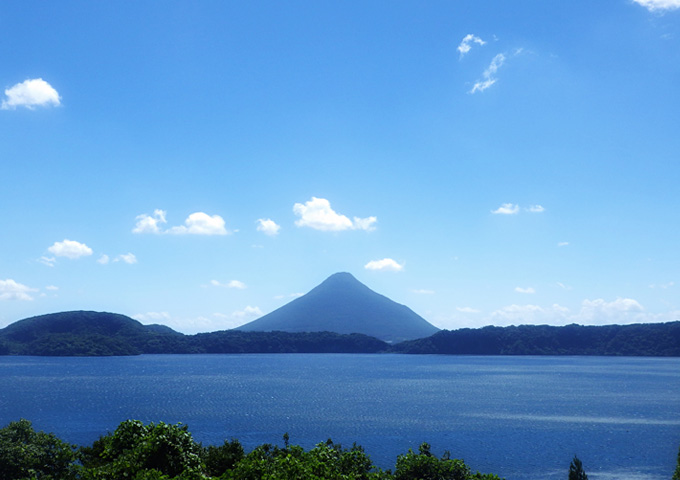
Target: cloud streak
{"x": 489, "y": 75}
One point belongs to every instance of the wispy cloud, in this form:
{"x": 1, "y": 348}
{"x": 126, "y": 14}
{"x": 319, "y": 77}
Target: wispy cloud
{"x": 128, "y": 258}
{"x": 513, "y": 209}
{"x": 49, "y": 261}
{"x": 659, "y": 5}
{"x": 466, "y": 44}
{"x": 198, "y": 223}
{"x": 231, "y": 284}
{"x": 152, "y": 317}
{"x": 525, "y": 290}
{"x": 318, "y": 214}
{"x": 489, "y": 75}
{"x": 30, "y": 94}
{"x": 290, "y": 295}
{"x": 663, "y": 286}
{"x": 386, "y": 264}
{"x": 239, "y": 317}
{"x": 562, "y": 244}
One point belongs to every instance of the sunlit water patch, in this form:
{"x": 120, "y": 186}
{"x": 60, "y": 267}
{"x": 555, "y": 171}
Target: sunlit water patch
{"x": 519, "y": 417}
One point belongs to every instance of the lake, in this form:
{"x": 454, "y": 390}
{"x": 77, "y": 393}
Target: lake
{"x": 523, "y": 418}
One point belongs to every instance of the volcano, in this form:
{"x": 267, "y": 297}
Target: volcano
{"x": 342, "y": 304}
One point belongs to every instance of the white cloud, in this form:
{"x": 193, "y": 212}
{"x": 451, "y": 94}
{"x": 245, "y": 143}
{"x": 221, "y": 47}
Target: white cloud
{"x": 466, "y": 43}
{"x": 386, "y": 264}
{"x": 563, "y": 286}
{"x": 423, "y": 291}
{"x": 30, "y": 94}
{"x": 52, "y": 288}
{"x": 197, "y": 223}
{"x": 103, "y": 259}
{"x": 489, "y": 75}
{"x": 525, "y": 290}
{"x": 268, "y": 227}
{"x": 536, "y": 209}
{"x": 11, "y": 290}
{"x": 200, "y": 223}
{"x": 318, "y": 214}
{"x": 507, "y": 209}
{"x": 232, "y": 284}
{"x": 621, "y": 310}
{"x": 562, "y": 244}
{"x": 150, "y": 223}
{"x": 128, "y": 258}
{"x": 70, "y": 249}
{"x": 659, "y": 5}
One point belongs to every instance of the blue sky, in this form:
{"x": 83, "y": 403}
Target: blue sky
{"x": 199, "y": 164}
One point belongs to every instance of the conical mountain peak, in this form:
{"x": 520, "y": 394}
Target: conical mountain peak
{"x": 343, "y": 304}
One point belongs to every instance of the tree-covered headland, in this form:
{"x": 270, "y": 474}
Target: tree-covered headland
{"x": 160, "y": 451}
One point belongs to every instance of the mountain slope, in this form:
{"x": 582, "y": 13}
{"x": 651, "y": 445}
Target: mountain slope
{"x": 342, "y": 304}
{"x": 84, "y": 333}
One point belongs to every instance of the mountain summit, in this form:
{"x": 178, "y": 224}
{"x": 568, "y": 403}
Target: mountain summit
{"x": 342, "y": 304}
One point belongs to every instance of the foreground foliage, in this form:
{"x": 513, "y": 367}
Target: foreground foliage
{"x": 159, "y": 451}
{"x": 168, "y": 452}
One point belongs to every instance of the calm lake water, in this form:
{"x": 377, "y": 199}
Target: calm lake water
{"x": 518, "y": 417}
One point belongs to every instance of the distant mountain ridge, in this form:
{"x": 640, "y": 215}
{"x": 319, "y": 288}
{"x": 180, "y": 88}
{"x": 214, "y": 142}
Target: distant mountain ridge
{"x": 83, "y": 333}
{"x": 344, "y": 305}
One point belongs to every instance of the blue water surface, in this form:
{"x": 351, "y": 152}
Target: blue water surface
{"x": 519, "y": 417}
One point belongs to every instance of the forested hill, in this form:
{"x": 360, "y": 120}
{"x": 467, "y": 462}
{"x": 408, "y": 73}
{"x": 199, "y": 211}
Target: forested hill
{"x": 82, "y": 333}
{"x": 658, "y": 339}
